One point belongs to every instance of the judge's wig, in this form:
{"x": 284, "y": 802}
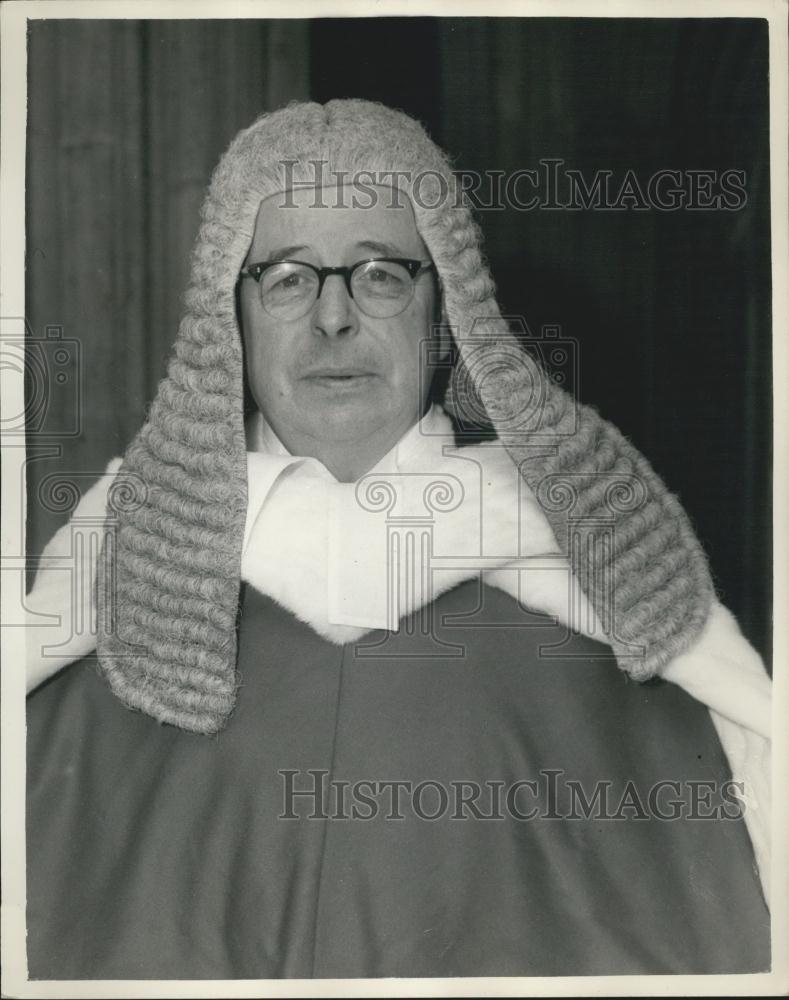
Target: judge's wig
{"x": 168, "y": 604}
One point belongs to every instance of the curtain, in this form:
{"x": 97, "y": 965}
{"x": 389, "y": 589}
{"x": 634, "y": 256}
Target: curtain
{"x": 126, "y": 121}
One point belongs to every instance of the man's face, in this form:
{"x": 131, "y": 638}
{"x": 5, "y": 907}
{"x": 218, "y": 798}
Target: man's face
{"x": 336, "y": 377}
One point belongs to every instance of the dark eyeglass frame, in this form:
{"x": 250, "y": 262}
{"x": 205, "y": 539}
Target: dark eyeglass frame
{"x": 414, "y": 268}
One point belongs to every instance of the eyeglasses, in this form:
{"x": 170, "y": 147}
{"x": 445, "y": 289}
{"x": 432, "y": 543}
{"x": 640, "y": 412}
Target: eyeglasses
{"x": 381, "y": 287}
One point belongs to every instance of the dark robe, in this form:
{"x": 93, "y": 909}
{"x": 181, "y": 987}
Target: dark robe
{"x": 155, "y": 853}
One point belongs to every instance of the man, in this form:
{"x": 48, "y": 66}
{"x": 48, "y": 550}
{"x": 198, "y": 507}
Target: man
{"x": 386, "y": 720}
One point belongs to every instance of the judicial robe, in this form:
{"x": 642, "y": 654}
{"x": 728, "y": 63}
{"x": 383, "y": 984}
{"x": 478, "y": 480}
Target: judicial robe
{"x": 157, "y": 853}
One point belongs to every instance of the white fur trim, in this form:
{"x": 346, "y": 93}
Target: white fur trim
{"x": 749, "y": 755}
{"x": 725, "y": 672}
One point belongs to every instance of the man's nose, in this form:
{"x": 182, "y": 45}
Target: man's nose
{"x": 335, "y": 314}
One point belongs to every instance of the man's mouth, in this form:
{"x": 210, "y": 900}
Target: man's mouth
{"x": 338, "y": 373}
{"x": 339, "y": 377}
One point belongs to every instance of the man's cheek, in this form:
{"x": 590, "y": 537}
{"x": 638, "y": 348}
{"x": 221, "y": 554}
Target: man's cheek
{"x": 264, "y": 362}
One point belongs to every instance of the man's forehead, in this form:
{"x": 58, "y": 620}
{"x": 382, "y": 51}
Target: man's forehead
{"x": 337, "y": 218}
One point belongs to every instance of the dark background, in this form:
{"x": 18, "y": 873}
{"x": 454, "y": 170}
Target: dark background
{"x": 670, "y": 311}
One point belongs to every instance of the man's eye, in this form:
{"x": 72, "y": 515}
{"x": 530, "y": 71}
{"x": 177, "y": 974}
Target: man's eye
{"x": 388, "y": 278}
{"x": 289, "y": 281}
{"x": 286, "y": 282}
{"x": 377, "y": 274}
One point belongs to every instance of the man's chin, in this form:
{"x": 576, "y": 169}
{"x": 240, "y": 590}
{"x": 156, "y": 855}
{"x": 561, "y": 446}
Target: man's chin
{"x": 342, "y": 414}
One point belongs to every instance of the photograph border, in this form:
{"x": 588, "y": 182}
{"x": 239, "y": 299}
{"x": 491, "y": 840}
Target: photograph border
{"x": 14, "y": 17}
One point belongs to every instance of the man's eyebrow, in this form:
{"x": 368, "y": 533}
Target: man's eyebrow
{"x": 283, "y": 253}
{"x": 383, "y": 249}
{"x": 372, "y": 246}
